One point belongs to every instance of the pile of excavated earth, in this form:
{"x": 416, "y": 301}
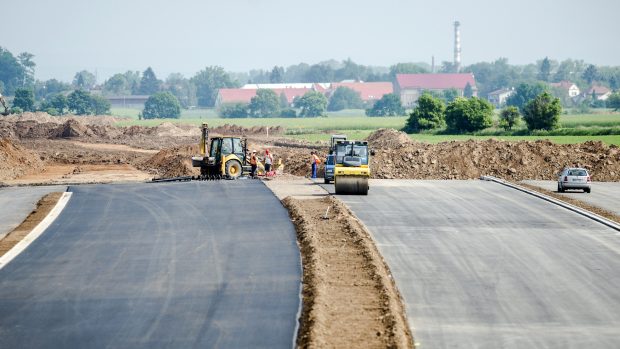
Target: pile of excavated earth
{"x": 399, "y": 157}
{"x": 166, "y": 150}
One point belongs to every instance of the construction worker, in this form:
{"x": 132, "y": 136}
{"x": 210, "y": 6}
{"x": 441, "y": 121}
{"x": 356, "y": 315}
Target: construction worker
{"x": 315, "y": 163}
{"x": 268, "y": 162}
{"x": 253, "y": 163}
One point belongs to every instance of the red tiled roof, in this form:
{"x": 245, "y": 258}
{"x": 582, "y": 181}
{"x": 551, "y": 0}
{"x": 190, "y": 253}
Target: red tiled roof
{"x": 235, "y": 95}
{"x": 562, "y": 84}
{"x": 599, "y": 90}
{"x": 240, "y": 95}
{"x": 435, "y": 81}
{"x": 368, "y": 90}
{"x": 291, "y": 93}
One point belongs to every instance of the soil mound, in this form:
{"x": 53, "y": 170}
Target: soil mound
{"x": 388, "y": 137}
{"x": 168, "y": 129}
{"x": 508, "y": 160}
{"x": 73, "y": 128}
{"x": 172, "y": 162}
{"x": 16, "y": 161}
{"x": 236, "y": 130}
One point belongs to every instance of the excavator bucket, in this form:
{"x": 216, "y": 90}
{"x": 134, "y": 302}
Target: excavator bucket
{"x": 351, "y": 185}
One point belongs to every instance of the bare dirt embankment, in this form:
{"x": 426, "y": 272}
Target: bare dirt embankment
{"x": 399, "y": 157}
{"x": 349, "y": 297}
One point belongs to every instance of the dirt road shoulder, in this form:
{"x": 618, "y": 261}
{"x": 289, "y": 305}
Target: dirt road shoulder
{"x": 349, "y": 297}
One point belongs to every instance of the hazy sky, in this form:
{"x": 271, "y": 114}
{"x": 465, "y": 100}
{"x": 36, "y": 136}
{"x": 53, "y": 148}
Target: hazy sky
{"x": 186, "y": 35}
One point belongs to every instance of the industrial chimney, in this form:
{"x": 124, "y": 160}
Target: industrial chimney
{"x": 457, "y": 47}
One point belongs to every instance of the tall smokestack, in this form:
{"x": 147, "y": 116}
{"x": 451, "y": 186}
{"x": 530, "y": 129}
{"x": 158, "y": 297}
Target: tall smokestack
{"x": 433, "y": 65}
{"x": 457, "y": 46}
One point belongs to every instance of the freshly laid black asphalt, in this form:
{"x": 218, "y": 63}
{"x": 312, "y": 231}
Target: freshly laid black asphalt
{"x": 167, "y": 265}
{"x": 481, "y": 265}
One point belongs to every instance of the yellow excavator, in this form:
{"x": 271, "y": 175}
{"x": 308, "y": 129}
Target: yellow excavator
{"x": 352, "y": 170}
{"x": 225, "y": 157}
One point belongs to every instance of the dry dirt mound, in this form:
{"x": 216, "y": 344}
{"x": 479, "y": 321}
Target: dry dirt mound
{"x": 388, "y": 137}
{"x": 243, "y": 131}
{"x": 73, "y": 128}
{"x": 45, "y": 118}
{"x": 168, "y": 129}
{"x": 15, "y": 160}
{"x": 508, "y": 160}
{"x": 172, "y": 162}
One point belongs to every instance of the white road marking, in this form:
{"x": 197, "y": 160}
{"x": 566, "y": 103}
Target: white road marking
{"x": 37, "y": 231}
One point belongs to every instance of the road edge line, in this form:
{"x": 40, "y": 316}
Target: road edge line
{"x": 581, "y": 211}
{"x": 36, "y": 231}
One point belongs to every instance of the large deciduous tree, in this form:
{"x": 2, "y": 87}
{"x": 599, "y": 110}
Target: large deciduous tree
{"x": 84, "y": 80}
{"x": 509, "y": 117}
{"x": 149, "y": 83}
{"x": 277, "y": 75}
{"x": 12, "y": 73}
{"x": 162, "y": 105}
{"x": 525, "y": 93}
{"x": 545, "y": 70}
{"x": 388, "y": 105}
{"x": 79, "y": 102}
{"x": 24, "y": 99}
{"x": 590, "y": 74}
{"x": 428, "y": 114}
{"x": 208, "y": 81}
{"x": 312, "y": 104}
{"x": 613, "y": 101}
{"x": 543, "y": 112}
{"x": 345, "y": 98}
{"x": 265, "y": 104}
{"x": 469, "y": 115}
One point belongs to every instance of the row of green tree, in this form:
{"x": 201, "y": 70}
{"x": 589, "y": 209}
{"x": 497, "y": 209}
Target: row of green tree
{"x": 201, "y": 89}
{"x": 78, "y": 102}
{"x": 267, "y": 103}
{"x": 466, "y": 115}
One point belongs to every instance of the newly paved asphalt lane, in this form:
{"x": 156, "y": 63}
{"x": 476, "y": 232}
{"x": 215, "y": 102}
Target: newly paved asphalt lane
{"x": 605, "y": 195}
{"x": 174, "y": 265}
{"x": 16, "y": 203}
{"x": 481, "y": 265}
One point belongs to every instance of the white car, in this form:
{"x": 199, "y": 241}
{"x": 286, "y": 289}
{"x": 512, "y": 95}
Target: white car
{"x": 574, "y": 178}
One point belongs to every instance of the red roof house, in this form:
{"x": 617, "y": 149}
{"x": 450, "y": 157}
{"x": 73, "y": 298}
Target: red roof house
{"x": 411, "y": 86}
{"x": 240, "y": 95}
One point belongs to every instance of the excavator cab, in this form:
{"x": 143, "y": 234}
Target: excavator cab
{"x": 223, "y": 158}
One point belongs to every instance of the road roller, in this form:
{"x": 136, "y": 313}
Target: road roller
{"x": 352, "y": 169}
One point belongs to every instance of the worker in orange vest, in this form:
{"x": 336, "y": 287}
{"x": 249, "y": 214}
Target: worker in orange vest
{"x": 315, "y": 163}
{"x": 253, "y": 163}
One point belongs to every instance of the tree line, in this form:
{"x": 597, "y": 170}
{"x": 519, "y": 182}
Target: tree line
{"x": 17, "y": 72}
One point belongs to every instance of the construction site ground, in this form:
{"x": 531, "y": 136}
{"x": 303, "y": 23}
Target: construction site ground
{"x": 339, "y": 255}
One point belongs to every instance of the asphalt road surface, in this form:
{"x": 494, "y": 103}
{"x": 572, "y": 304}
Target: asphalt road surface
{"x": 174, "y": 265}
{"x": 481, "y": 265}
{"x": 605, "y": 195}
{"x": 16, "y": 203}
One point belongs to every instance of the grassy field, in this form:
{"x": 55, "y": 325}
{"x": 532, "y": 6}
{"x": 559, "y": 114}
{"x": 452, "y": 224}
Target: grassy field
{"x": 357, "y": 126}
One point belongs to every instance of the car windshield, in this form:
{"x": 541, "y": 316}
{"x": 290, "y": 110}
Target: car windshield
{"x": 577, "y": 173}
